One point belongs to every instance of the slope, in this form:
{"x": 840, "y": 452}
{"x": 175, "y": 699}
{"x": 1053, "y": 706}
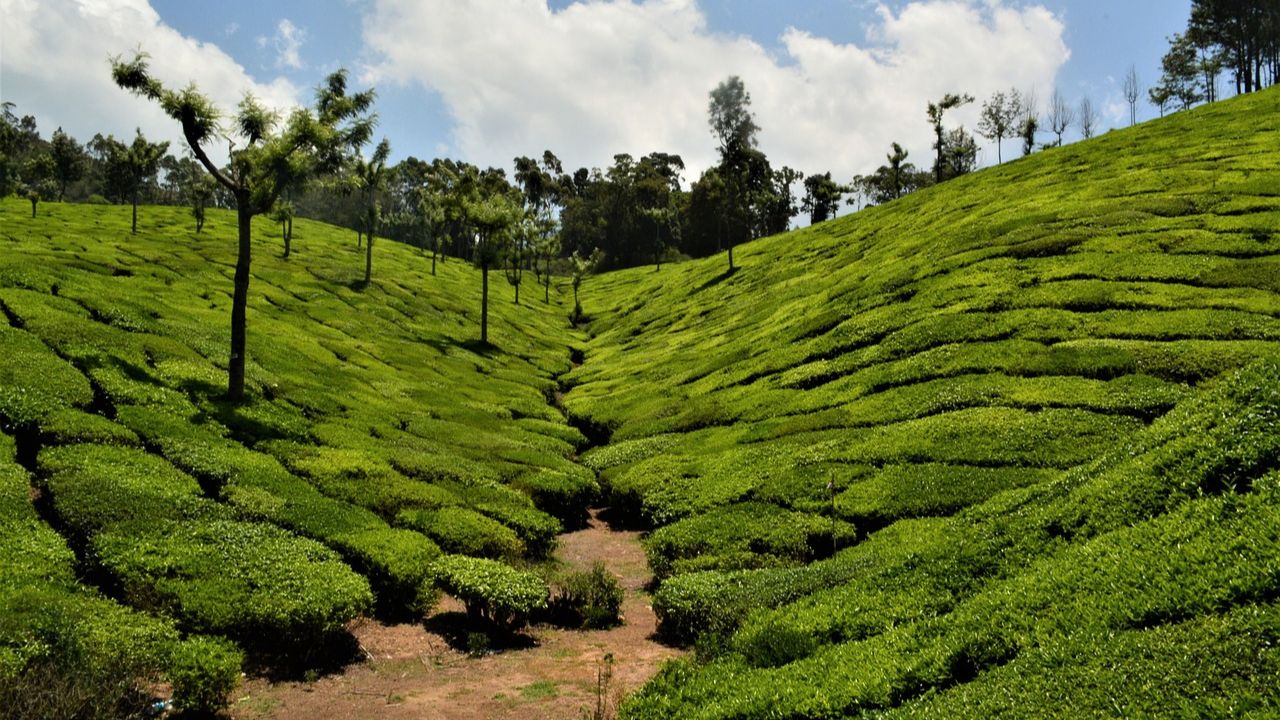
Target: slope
{"x": 927, "y": 451}
{"x": 377, "y": 437}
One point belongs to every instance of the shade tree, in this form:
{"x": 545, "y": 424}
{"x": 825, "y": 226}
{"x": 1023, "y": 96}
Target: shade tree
{"x": 37, "y": 179}
{"x": 579, "y": 268}
{"x": 734, "y": 127}
{"x": 935, "y": 112}
{"x": 1132, "y": 90}
{"x": 999, "y": 118}
{"x": 68, "y": 160}
{"x": 1060, "y": 116}
{"x": 369, "y": 177}
{"x": 1087, "y": 116}
{"x": 492, "y": 216}
{"x": 268, "y": 158}
{"x": 822, "y": 197}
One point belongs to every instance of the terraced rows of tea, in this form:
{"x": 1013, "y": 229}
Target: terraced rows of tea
{"x": 1008, "y": 446}
{"x": 138, "y": 505}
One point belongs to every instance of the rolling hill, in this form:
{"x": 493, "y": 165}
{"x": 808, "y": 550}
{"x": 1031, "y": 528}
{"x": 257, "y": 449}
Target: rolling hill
{"x": 1009, "y": 445}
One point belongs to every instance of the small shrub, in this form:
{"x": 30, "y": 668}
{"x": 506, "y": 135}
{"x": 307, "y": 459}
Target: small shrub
{"x": 203, "y": 673}
{"x": 589, "y": 598}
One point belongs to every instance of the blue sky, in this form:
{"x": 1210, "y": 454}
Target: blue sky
{"x": 833, "y": 81}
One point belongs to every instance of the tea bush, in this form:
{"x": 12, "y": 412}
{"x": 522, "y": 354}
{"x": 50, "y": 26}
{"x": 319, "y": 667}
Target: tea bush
{"x": 493, "y": 592}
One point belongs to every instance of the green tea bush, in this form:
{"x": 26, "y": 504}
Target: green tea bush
{"x": 565, "y": 496}
{"x": 493, "y": 592}
{"x": 536, "y": 529}
{"x": 34, "y": 382}
{"x": 97, "y": 486}
{"x": 462, "y": 531}
{"x": 70, "y": 426}
{"x": 751, "y": 528}
{"x": 69, "y": 653}
{"x": 203, "y": 672}
{"x": 246, "y": 580}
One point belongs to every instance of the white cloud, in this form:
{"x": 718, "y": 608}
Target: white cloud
{"x": 598, "y": 78}
{"x": 287, "y": 42}
{"x": 55, "y": 67}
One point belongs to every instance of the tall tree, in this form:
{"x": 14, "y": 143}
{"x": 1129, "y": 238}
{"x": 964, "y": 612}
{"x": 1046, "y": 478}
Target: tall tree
{"x": 37, "y": 181}
{"x": 733, "y": 125}
{"x": 936, "y": 111}
{"x": 1088, "y": 117}
{"x": 1030, "y": 123}
{"x": 580, "y": 267}
{"x": 822, "y": 197}
{"x": 266, "y": 161}
{"x": 283, "y": 212}
{"x": 961, "y": 154}
{"x": 1061, "y": 115}
{"x": 370, "y": 177}
{"x": 999, "y": 117}
{"x": 1181, "y": 78}
{"x": 1246, "y": 32}
{"x": 1132, "y": 89}
{"x": 518, "y": 248}
{"x": 133, "y": 166}
{"x": 68, "y": 160}
{"x": 492, "y": 216}
{"x": 897, "y": 170}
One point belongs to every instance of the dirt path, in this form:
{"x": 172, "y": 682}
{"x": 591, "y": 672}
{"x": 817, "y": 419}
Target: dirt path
{"x": 413, "y": 673}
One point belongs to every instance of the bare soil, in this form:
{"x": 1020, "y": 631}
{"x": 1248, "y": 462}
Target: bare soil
{"x": 410, "y": 670}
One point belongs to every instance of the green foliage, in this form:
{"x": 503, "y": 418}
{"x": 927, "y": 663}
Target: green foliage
{"x": 247, "y": 580}
{"x": 203, "y": 674}
{"x": 493, "y": 592}
{"x": 591, "y": 598}
{"x": 34, "y": 382}
{"x": 744, "y": 535}
{"x": 464, "y": 531}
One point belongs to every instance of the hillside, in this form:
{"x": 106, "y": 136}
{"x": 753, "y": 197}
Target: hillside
{"x": 379, "y": 436}
{"x": 1006, "y": 446}
{"x": 1009, "y": 445}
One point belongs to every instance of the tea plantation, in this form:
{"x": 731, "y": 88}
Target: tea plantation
{"x": 1009, "y": 446}
{"x": 140, "y": 508}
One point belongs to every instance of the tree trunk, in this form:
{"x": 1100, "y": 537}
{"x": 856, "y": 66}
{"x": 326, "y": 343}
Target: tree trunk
{"x": 368, "y": 258}
{"x": 34, "y": 200}
{"x": 240, "y": 300}
{"x": 359, "y": 238}
{"x": 288, "y": 238}
{"x": 135, "y": 212}
{"x": 546, "y": 288}
{"x": 433, "y": 261}
{"x": 484, "y": 304}
{"x": 730, "y": 257}
{"x": 517, "y": 293}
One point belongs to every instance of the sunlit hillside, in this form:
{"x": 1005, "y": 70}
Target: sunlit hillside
{"x": 1006, "y": 446}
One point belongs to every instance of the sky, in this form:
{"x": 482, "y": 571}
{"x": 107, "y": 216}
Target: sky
{"x": 833, "y": 82}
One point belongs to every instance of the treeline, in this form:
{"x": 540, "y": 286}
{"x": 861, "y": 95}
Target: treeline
{"x": 638, "y": 210}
